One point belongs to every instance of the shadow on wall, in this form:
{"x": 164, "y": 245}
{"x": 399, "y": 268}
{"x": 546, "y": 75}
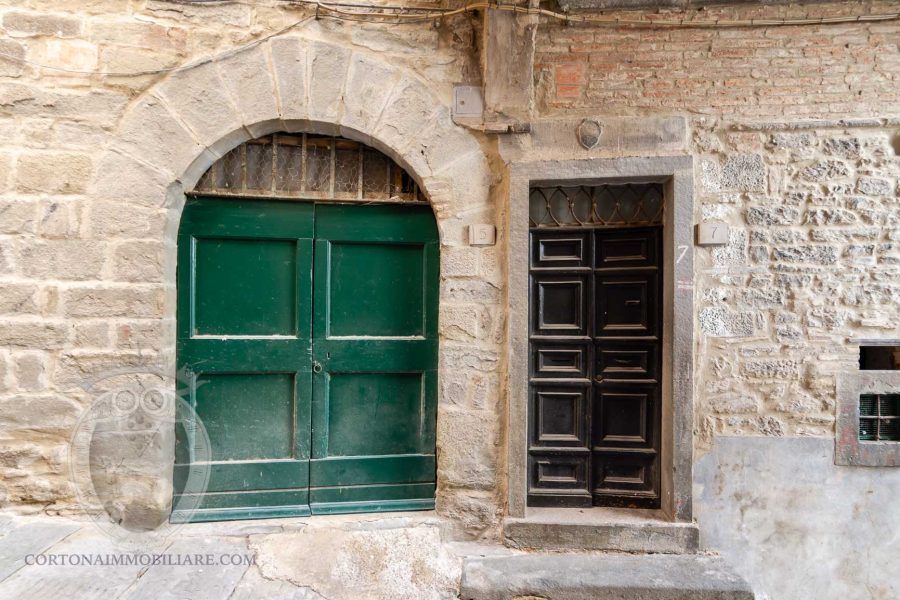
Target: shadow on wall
{"x": 796, "y": 525}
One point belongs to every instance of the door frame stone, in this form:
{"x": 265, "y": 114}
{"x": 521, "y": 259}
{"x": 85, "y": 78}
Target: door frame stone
{"x": 676, "y": 173}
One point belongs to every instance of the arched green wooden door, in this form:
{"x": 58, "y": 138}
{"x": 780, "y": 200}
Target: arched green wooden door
{"x": 307, "y": 346}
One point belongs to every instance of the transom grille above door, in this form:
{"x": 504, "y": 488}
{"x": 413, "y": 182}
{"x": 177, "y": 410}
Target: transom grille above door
{"x": 307, "y": 166}
{"x": 603, "y": 205}
{"x": 595, "y": 336}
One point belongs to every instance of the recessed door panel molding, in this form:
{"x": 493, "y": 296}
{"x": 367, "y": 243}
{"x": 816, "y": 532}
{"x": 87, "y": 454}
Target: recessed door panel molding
{"x": 603, "y": 325}
{"x": 308, "y": 337}
{"x": 560, "y": 305}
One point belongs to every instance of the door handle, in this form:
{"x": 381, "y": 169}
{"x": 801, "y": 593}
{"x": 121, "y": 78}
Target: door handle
{"x": 632, "y": 302}
{"x": 316, "y": 367}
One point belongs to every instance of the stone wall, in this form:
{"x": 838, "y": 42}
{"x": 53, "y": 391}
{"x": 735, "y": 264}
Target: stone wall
{"x": 92, "y": 168}
{"x": 796, "y": 136}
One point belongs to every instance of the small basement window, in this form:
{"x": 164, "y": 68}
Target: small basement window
{"x": 879, "y": 417}
{"x": 879, "y": 358}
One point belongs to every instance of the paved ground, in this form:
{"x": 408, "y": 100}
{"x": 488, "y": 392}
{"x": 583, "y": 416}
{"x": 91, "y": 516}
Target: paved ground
{"x": 335, "y": 558}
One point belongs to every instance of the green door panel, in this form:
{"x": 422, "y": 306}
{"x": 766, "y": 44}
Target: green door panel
{"x": 244, "y": 348}
{"x": 225, "y": 299}
{"x": 375, "y": 337}
{"x": 268, "y": 289}
{"x": 247, "y": 416}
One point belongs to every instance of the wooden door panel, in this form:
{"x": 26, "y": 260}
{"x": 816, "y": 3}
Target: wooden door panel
{"x": 247, "y": 416}
{"x": 595, "y": 443}
{"x": 626, "y": 305}
{"x": 560, "y": 305}
{"x": 560, "y": 416}
{"x": 375, "y": 337}
{"x": 244, "y": 347}
{"x": 626, "y": 249}
{"x": 565, "y": 360}
{"x": 227, "y": 276}
{"x": 388, "y": 304}
{"x": 624, "y": 361}
{"x": 561, "y": 250}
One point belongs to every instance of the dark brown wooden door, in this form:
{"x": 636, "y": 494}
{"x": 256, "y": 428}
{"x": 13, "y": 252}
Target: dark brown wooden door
{"x": 596, "y": 333}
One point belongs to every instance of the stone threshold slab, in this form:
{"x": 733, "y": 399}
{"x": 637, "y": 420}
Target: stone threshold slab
{"x": 600, "y": 529}
{"x": 602, "y": 576}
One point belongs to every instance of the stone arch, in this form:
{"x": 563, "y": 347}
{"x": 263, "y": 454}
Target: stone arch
{"x": 178, "y": 128}
{"x": 168, "y": 138}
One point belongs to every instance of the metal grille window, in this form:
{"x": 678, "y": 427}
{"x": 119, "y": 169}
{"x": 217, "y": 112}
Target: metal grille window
{"x": 308, "y": 166}
{"x": 604, "y": 205}
{"x": 879, "y": 417}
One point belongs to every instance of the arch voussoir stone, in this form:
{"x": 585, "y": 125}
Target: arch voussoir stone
{"x": 250, "y": 81}
{"x": 199, "y": 99}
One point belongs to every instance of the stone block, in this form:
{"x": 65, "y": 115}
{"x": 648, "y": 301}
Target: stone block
{"x": 792, "y": 141}
{"x": 41, "y": 24}
{"x": 18, "y": 298}
{"x": 153, "y": 134}
{"x": 772, "y": 368}
{"x": 467, "y": 443}
{"x": 459, "y": 322}
{"x": 825, "y": 170}
{"x": 772, "y": 215}
{"x": 409, "y": 109}
{"x": 131, "y": 301}
{"x": 744, "y": 173}
{"x": 58, "y": 220}
{"x": 289, "y": 62}
{"x": 44, "y": 414}
{"x": 830, "y": 216}
{"x": 11, "y": 68}
{"x": 873, "y": 186}
{"x": 369, "y": 84}
{"x": 328, "y": 66}
{"x": 248, "y": 77}
{"x": 138, "y": 261}
{"x": 123, "y": 220}
{"x": 53, "y": 172}
{"x": 31, "y": 371}
{"x": 62, "y": 259}
{"x": 17, "y": 216}
{"x": 90, "y": 334}
{"x": 820, "y": 255}
{"x": 579, "y": 576}
{"x": 459, "y": 262}
{"x": 195, "y": 95}
{"x": 718, "y": 321}
{"x": 843, "y": 147}
{"x": 39, "y": 335}
{"x": 734, "y": 404}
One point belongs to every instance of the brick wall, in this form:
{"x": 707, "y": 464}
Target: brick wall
{"x": 802, "y": 71}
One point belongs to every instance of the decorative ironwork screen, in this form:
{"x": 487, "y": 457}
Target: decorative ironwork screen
{"x": 308, "y": 166}
{"x": 604, "y": 205}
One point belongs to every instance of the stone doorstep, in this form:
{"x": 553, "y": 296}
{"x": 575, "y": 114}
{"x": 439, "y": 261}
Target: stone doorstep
{"x": 602, "y": 576}
{"x": 600, "y": 529}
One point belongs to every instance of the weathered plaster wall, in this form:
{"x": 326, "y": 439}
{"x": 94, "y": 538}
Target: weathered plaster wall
{"x": 796, "y": 525}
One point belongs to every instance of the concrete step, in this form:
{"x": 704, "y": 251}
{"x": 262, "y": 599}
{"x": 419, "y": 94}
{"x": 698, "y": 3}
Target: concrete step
{"x": 601, "y": 576}
{"x": 605, "y": 530}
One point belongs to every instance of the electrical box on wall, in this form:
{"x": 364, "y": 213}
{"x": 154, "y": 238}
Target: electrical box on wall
{"x": 482, "y": 235}
{"x": 713, "y": 233}
{"x": 467, "y": 102}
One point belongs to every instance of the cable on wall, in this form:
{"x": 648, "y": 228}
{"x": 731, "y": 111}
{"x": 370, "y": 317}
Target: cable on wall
{"x": 345, "y": 11}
